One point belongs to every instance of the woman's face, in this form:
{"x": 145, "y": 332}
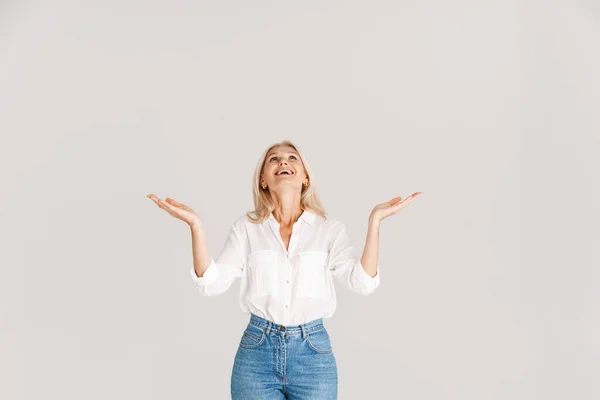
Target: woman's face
{"x": 278, "y": 159}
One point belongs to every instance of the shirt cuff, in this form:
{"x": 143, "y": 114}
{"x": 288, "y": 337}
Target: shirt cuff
{"x": 365, "y": 278}
{"x": 209, "y": 276}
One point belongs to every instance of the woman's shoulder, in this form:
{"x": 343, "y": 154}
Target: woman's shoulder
{"x": 241, "y": 221}
{"x": 332, "y": 222}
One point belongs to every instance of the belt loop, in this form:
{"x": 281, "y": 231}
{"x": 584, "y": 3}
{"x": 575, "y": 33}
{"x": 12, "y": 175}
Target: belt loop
{"x": 268, "y": 328}
{"x": 303, "y": 331}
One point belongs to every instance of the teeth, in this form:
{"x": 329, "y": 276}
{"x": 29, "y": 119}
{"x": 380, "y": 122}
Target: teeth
{"x": 284, "y": 170}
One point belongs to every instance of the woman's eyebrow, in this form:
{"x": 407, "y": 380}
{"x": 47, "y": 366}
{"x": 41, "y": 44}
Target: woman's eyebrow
{"x": 294, "y": 153}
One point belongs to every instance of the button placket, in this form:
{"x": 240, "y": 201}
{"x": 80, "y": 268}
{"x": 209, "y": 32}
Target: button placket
{"x": 287, "y": 271}
{"x": 288, "y": 289}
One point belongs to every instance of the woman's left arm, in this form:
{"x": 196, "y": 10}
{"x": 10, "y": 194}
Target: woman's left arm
{"x": 370, "y": 256}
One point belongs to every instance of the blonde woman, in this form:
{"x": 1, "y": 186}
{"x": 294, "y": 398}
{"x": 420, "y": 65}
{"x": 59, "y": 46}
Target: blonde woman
{"x": 286, "y": 252}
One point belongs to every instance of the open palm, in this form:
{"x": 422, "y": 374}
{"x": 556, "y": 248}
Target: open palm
{"x": 176, "y": 209}
{"x": 392, "y": 207}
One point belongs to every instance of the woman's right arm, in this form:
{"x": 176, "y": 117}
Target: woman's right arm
{"x": 220, "y": 273}
{"x": 186, "y": 214}
{"x": 210, "y": 276}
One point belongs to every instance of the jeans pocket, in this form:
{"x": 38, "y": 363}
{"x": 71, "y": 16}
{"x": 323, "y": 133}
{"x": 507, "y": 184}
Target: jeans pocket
{"x": 320, "y": 341}
{"x": 252, "y": 337}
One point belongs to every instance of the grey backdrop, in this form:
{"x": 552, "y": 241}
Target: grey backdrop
{"x": 490, "y": 280}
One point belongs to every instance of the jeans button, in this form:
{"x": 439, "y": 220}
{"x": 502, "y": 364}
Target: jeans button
{"x": 282, "y": 328}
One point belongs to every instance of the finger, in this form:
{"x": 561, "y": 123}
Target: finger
{"x": 413, "y": 196}
{"x": 172, "y": 202}
{"x": 185, "y": 207}
{"x": 159, "y": 203}
{"x": 153, "y": 198}
{"x": 164, "y": 205}
{"x": 402, "y": 204}
{"x": 406, "y": 202}
{"x": 394, "y": 200}
{"x": 179, "y": 205}
{"x": 173, "y": 211}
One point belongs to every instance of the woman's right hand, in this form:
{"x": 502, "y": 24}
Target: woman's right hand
{"x": 177, "y": 210}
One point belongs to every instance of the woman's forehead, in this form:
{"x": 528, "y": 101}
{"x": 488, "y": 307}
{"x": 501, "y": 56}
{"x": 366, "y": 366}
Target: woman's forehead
{"x": 279, "y": 149}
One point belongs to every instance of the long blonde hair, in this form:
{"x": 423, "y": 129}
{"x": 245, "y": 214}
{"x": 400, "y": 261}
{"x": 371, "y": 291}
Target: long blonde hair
{"x": 263, "y": 203}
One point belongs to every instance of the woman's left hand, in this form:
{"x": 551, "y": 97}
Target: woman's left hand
{"x": 391, "y": 207}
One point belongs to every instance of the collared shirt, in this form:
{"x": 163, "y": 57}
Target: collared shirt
{"x": 287, "y": 286}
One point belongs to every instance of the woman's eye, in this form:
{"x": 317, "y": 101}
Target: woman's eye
{"x": 274, "y": 158}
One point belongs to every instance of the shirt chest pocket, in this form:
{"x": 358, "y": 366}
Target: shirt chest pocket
{"x": 313, "y": 277}
{"x": 264, "y": 273}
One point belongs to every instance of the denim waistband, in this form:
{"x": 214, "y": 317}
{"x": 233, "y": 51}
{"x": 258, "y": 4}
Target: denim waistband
{"x": 267, "y": 325}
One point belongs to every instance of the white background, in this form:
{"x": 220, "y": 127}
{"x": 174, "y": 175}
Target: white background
{"x": 490, "y": 280}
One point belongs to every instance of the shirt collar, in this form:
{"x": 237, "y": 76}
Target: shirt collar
{"x": 307, "y": 216}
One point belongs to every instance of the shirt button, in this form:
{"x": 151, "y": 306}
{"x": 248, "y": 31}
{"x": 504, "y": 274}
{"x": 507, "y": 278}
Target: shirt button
{"x": 288, "y": 281}
{"x": 286, "y": 306}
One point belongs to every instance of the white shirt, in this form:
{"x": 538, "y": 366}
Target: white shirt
{"x": 287, "y": 287}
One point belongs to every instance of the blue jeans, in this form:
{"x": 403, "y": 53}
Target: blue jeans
{"x": 284, "y": 362}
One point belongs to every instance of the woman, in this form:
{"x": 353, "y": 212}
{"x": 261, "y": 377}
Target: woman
{"x": 286, "y": 253}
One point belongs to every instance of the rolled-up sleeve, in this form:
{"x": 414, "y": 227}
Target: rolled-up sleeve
{"x": 228, "y": 266}
{"x": 345, "y": 265}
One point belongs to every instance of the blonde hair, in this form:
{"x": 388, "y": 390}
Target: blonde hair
{"x": 263, "y": 203}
